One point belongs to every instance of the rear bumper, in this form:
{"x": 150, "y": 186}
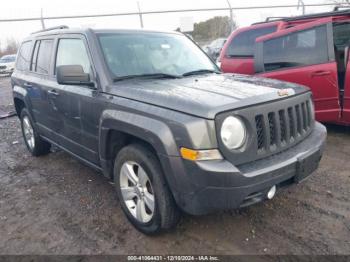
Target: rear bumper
{"x": 204, "y": 187}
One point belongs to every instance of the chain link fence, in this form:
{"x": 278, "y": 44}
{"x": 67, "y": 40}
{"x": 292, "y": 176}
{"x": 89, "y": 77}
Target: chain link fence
{"x": 210, "y": 26}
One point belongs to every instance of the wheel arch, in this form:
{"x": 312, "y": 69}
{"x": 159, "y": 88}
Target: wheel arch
{"x": 19, "y": 105}
{"x": 20, "y": 99}
{"x": 120, "y": 128}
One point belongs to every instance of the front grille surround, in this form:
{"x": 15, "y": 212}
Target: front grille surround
{"x": 272, "y": 127}
{"x": 278, "y": 135}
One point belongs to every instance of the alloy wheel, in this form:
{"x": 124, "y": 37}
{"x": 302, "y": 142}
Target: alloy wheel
{"x": 137, "y": 191}
{"x": 28, "y": 132}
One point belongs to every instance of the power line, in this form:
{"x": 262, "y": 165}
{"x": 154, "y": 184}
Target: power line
{"x": 160, "y": 12}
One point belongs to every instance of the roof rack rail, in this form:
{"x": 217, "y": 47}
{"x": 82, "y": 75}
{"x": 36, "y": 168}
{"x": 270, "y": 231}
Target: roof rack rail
{"x": 271, "y": 18}
{"x": 337, "y": 8}
{"x": 311, "y": 16}
{"x": 51, "y": 28}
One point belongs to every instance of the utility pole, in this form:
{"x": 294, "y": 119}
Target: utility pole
{"x": 302, "y": 4}
{"x": 231, "y": 15}
{"x": 140, "y": 14}
{"x": 42, "y": 19}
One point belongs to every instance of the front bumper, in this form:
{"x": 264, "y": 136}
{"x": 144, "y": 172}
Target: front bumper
{"x": 207, "y": 186}
{"x": 6, "y": 71}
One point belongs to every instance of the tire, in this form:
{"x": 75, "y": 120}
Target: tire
{"x": 36, "y": 145}
{"x": 137, "y": 158}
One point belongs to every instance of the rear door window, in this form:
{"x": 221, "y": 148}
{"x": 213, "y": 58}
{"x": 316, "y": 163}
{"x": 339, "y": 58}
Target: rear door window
{"x": 243, "y": 44}
{"x": 44, "y": 56}
{"x": 23, "y": 57}
{"x": 301, "y": 48}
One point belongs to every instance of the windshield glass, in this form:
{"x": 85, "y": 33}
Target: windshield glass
{"x": 7, "y": 59}
{"x": 131, "y": 54}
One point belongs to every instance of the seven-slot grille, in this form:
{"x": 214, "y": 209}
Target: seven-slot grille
{"x": 2, "y": 67}
{"x": 272, "y": 127}
{"x": 282, "y": 127}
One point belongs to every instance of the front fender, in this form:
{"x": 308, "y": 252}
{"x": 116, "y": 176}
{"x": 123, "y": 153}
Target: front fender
{"x": 153, "y": 131}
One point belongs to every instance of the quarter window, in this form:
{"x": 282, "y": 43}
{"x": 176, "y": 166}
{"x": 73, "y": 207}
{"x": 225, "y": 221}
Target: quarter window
{"x": 243, "y": 44}
{"x": 23, "y": 57}
{"x": 73, "y": 52}
{"x": 302, "y": 48}
{"x": 44, "y": 55}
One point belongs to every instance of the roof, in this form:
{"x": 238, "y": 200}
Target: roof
{"x": 66, "y": 30}
{"x": 101, "y": 31}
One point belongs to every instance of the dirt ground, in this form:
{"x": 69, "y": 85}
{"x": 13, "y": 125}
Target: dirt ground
{"x": 56, "y": 205}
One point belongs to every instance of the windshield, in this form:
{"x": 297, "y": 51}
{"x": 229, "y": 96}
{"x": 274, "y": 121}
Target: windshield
{"x": 7, "y": 59}
{"x": 131, "y": 54}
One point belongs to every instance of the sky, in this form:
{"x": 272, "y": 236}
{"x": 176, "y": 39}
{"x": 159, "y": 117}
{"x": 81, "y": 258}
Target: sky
{"x": 32, "y": 8}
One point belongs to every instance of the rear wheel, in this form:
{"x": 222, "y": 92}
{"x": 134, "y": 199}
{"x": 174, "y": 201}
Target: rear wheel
{"x": 143, "y": 193}
{"x": 35, "y": 144}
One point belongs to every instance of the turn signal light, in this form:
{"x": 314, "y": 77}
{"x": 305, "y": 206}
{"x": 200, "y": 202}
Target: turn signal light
{"x": 200, "y": 155}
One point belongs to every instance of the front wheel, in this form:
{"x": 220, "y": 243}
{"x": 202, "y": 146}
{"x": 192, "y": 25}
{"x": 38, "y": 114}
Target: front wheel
{"x": 143, "y": 193}
{"x": 35, "y": 144}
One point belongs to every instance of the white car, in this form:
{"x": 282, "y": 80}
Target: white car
{"x": 7, "y": 64}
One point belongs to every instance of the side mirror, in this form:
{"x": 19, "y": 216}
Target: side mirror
{"x": 72, "y": 75}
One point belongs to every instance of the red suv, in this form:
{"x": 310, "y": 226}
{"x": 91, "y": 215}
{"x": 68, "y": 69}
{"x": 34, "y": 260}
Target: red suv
{"x": 311, "y": 50}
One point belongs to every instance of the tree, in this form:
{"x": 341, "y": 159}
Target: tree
{"x": 12, "y": 46}
{"x": 219, "y": 26}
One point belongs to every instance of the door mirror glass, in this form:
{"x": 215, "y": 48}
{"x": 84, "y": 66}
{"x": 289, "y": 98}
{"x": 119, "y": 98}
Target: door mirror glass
{"x": 72, "y": 75}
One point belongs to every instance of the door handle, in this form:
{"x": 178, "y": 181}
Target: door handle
{"x": 53, "y": 92}
{"x": 27, "y": 85}
{"x": 320, "y": 73}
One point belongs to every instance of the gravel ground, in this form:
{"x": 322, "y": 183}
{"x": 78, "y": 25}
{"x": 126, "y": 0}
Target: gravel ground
{"x": 56, "y": 205}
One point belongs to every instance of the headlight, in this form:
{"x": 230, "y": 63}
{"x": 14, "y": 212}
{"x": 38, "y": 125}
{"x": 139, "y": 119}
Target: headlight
{"x": 233, "y": 132}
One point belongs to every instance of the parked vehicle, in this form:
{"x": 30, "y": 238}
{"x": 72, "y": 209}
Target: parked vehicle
{"x": 311, "y": 50}
{"x": 151, "y": 111}
{"x": 214, "y": 48}
{"x": 7, "y": 64}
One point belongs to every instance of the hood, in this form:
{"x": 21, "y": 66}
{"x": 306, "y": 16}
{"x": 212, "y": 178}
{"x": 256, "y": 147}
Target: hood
{"x": 7, "y": 63}
{"x": 206, "y": 95}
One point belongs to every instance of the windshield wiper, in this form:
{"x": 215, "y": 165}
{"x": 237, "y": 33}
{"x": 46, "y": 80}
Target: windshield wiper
{"x": 200, "y": 71}
{"x": 155, "y": 75}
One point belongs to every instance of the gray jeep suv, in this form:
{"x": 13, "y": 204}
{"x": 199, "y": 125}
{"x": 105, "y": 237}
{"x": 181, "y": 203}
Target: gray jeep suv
{"x": 152, "y": 112}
